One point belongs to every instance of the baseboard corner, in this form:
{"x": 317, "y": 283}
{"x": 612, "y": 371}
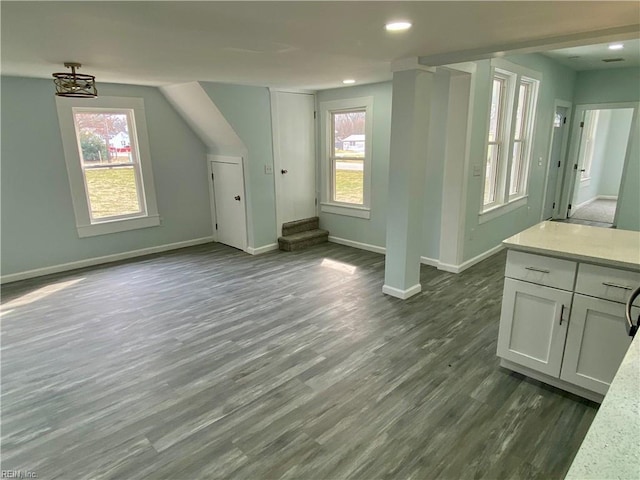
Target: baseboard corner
{"x": 402, "y": 294}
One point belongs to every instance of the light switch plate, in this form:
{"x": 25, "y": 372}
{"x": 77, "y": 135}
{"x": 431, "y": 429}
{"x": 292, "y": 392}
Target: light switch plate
{"x": 268, "y": 169}
{"x": 477, "y": 170}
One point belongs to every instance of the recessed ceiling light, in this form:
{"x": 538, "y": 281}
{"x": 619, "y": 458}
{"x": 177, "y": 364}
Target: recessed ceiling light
{"x": 348, "y": 81}
{"x": 397, "y": 26}
{"x": 616, "y": 46}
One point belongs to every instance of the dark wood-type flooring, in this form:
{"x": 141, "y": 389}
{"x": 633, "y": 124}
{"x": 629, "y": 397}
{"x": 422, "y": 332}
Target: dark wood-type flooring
{"x": 210, "y": 363}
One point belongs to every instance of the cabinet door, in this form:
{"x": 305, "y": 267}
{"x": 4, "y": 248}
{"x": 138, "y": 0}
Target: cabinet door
{"x": 596, "y": 343}
{"x": 532, "y": 325}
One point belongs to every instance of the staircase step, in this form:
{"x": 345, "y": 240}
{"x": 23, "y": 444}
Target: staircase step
{"x": 300, "y": 240}
{"x": 297, "y": 226}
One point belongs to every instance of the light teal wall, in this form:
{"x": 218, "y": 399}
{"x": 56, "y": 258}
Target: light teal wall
{"x": 589, "y": 189}
{"x": 557, "y": 83}
{"x": 607, "y": 86}
{"x": 37, "y": 221}
{"x": 617, "y": 86}
{"x": 371, "y": 231}
{"x": 248, "y": 111}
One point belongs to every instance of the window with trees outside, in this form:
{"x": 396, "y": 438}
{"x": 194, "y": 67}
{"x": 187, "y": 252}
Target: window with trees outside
{"x": 347, "y": 134}
{"x": 347, "y": 156}
{"x": 514, "y": 92}
{"x": 108, "y": 164}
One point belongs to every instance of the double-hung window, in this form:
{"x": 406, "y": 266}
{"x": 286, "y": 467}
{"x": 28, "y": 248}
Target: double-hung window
{"x": 108, "y": 163}
{"x": 346, "y": 150}
{"x": 514, "y": 93}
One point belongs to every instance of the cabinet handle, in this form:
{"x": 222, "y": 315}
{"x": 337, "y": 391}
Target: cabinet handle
{"x": 561, "y": 314}
{"x": 534, "y": 269}
{"x": 615, "y": 285}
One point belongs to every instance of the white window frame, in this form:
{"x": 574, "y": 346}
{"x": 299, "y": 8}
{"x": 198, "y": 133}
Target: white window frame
{"x": 514, "y": 75}
{"x": 85, "y": 225}
{"x": 327, "y": 204}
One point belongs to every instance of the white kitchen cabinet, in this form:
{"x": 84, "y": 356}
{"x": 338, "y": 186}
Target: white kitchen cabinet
{"x": 563, "y": 321}
{"x": 533, "y": 325}
{"x": 596, "y": 343}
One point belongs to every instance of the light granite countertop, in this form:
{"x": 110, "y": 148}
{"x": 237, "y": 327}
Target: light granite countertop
{"x": 604, "y": 246}
{"x": 611, "y": 449}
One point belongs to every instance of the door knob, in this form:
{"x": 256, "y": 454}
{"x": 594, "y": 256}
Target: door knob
{"x": 237, "y": 197}
{"x": 283, "y": 171}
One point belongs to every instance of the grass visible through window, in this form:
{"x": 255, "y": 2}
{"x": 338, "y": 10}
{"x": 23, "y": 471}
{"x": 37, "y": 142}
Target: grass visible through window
{"x": 350, "y": 186}
{"x": 112, "y": 191}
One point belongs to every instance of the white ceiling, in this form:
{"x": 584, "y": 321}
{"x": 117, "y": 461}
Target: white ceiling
{"x": 591, "y": 57}
{"x": 312, "y": 45}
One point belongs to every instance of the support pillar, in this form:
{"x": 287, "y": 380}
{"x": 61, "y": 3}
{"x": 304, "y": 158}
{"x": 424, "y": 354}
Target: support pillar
{"x": 407, "y": 160}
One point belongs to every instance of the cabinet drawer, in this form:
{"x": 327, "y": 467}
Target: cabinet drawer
{"x": 547, "y": 271}
{"x": 608, "y": 283}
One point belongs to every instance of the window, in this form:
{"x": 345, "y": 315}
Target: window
{"x": 589, "y": 131}
{"x": 108, "y": 163}
{"x": 347, "y": 153}
{"x": 514, "y": 92}
{"x": 347, "y": 156}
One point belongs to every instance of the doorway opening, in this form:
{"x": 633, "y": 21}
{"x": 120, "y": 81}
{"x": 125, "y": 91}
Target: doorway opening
{"x": 601, "y": 144}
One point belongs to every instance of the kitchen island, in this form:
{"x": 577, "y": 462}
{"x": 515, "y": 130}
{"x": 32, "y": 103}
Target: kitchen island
{"x": 563, "y": 323}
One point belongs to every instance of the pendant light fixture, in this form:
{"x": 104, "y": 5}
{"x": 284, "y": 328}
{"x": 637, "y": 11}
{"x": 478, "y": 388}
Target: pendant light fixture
{"x": 74, "y": 84}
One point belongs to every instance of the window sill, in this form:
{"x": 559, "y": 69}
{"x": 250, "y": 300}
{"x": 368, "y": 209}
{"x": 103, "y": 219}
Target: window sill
{"x": 499, "y": 210}
{"x": 116, "y": 226}
{"x": 359, "y": 212}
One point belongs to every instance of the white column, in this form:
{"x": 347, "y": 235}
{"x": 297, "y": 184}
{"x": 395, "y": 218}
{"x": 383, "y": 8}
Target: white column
{"x": 407, "y": 160}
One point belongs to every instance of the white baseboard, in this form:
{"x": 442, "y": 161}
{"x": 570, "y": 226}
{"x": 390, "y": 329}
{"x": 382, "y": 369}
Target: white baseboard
{"x": 429, "y": 261}
{"x": 89, "y": 262}
{"x": 361, "y": 246}
{"x": 586, "y": 202}
{"x": 424, "y": 260}
{"x": 607, "y": 197}
{"x": 469, "y": 263}
{"x": 402, "y": 294}
{"x": 263, "y": 249}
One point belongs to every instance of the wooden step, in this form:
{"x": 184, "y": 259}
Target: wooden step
{"x": 301, "y": 240}
{"x": 297, "y": 226}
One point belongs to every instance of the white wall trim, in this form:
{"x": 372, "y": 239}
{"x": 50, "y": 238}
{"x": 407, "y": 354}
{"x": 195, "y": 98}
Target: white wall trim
{"x": 402, "y": 294}
{"x": 424, "y": 260}
{"x": 607, "y": 197}
{"x": 89, "y": 262}
{"x": 434, "y": 262}
{"x": 361, "y": 246}
{"x": 586, "y": 202}
{"x": 262, "y": 249}
{"x": 471, "y": 262}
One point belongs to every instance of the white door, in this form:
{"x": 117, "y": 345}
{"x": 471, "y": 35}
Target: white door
{"x": 294, "y": 156}
{"x": 533, "y": 325}
{"x": 596, "y": 343}
{"x": 555, "y": 162}
{"x": 229, "y": 202}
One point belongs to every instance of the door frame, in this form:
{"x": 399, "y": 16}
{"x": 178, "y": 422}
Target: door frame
{"x": 563, "y": 159}
{"x": 238, "y": 160}
{"x": 569, "y": 181}
{"x": 277, "y": 163}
